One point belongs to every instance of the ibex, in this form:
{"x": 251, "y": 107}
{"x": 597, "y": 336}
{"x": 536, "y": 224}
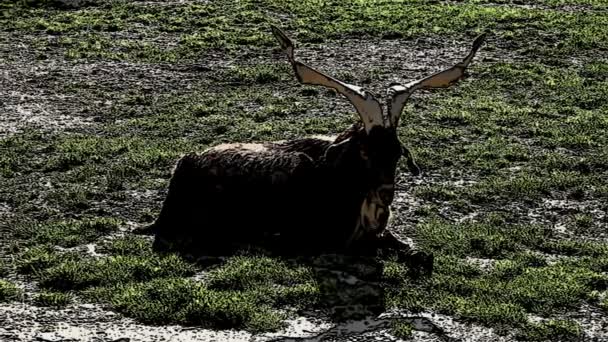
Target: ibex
{"x": 303, "y": 196}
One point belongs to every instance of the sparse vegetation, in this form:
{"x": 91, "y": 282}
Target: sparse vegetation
{"x": 3, "y": 268}
{"x": 514, "y": 158}
{"x": 53, "y": 299}
{"x": 562, "y": 330}
{"x": 68, "y": 233}
{"x": 8, "y": 291}
{"x": 402, "y": 330}
{"x": 185, "y": 302}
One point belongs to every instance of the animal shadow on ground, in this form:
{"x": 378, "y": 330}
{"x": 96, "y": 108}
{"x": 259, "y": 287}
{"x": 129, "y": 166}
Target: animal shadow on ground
{"x": 352, "y": 287}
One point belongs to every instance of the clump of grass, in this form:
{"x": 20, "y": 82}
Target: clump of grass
{"x": 402, "y": 330}
{"x": 126, "y": 245}
{"x": 604, "y": 303}
{"x": 72, "y": 197}
{"x": 502, "y": 297}
{"x": 38, "y": 258}
{"x": 498, "y": 314}
{"x": 8, "y": 291}
{"x": 546, "y": 289}
{"x": 55, "y": 4}
{"x": 575, "y": 248}
{"x": 436, "y": 193}
{"x": 53, "y": 299}
{"x": 69, "y": 233}
{"x": 245, "y": 292}
{"x": 426, "y": 211}
{"x": 246, "y": 272}
{"x": 188, "y": 302}
{"x": 3, "y": 268}
{"x": 583, "y": 221}
{"x": 516, "y": 266}
{"x": 118, "y": 175}
{"x": 269, "y": 277}
{"x": 485, "y": 239}
{"x": 89, "y": 272}
{"x": 260, "y": 74}
{"x": 527, "y": 186}
{"x": 552, "y": 330}
{"x": 594, "y": 263}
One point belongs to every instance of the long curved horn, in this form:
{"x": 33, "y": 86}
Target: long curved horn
{"x": 368, "y": 107}
{"x": 398, "y": 94}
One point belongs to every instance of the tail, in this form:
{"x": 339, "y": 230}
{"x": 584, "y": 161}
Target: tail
{"x": 146, "y": 230}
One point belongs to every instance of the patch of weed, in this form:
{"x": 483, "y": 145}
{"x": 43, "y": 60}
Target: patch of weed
{"x": 502, "y": 297}
{"x": 187, "y": 302}
{"x": 200, "y": 27}
{"x": 477, "y": 239}
{"x": 88, "y": 272}
{"x": 53, "y": 299}
{"x": 576, "y": 248}
{"x": 544, "y": 290}
{"x": 604, "y": 303}
{"x": 126, "y": 245}
{"x": 402, "y": 330}
{"x": 38, "y": 258}
{"x": 552, "y": 330}
{"x": 271, "y": 278}
{"x": 583, "y": 221}
{"x": 523, "y": 132}
{"x": 8, "y": 291}
{"x": 260, "y": 74}
{"x": 68, "y": 233}
{"x": 4, "y": 268}
{"x": 245, "y": 273}
{"x": 245, "y": 292}
{"x": 436, "y": 193}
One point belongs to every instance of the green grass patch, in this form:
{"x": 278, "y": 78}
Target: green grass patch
{"x": 402, "y": 330}
{"x": 241, "y": 273}
{"x": 486, "y": 239}
{"x": 187, "y": 302}
{"x": 517, "y": 133}
{"x": 260, "y": 74}
{"x": 68, "y": 233}
{"x": 504, "y": 296}
{"x": 53, "y": 299}
{"x": 552, "y": 330}
{"x": 228, "y": 26}
{"x": 8, "y": 291}
{"x": 38, "y": 258}
{"x": 243, "y": 293}
{"x": 89, "y": 272}
{"x": 604, "y": 303}
{"x": 128, "y": 245}
{"x": 4, "y": 268}
{"x": 576, "y": 248}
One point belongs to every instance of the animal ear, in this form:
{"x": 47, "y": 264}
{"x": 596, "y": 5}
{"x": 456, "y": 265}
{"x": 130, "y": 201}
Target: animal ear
{"x": 411, "y": 162}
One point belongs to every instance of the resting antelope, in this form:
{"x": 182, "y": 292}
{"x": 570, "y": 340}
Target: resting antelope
{"x": 303, "y": 196}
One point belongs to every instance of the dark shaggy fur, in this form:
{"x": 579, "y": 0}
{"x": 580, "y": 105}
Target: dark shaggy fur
{"x": 299, "y": 197}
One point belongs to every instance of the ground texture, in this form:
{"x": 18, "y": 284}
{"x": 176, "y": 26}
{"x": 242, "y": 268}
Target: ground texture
{"x": 98, "y": 99}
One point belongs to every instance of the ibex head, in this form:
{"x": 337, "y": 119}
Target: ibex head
{"x": 375, "y": 149}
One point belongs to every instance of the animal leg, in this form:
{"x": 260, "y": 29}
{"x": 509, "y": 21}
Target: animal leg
{"x": 418, "y": 262}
